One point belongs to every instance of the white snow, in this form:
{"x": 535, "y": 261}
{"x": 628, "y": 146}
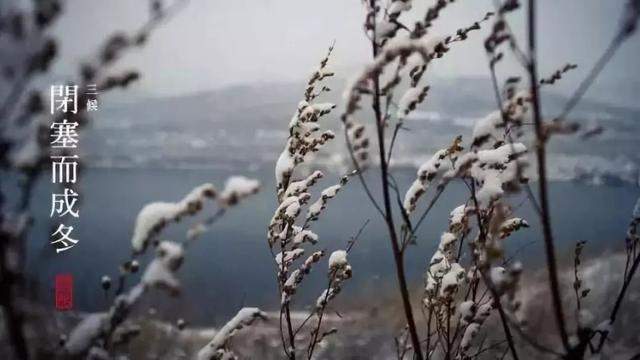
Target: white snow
{"x": 83, "y": 334}
{"x": 284, "y": 166}
{"x": 511, "y": 225}
{"x": 499, "y": 277}
{"x": 447, "y": 239}
{"x": 305, "y": 235}
{"x": 245, "y": 317}
{"x": 502, "y": 154}
{"x": 316, "y": 208}
{"x": 292, "y": 210}
{"x": 292, "y": 279}
{"x": 298, "y": 187}
{"x": 411, "y": 196}
{"x": 491, "y": 189}
{"x": 398, "y": 6}
{"x": 468, "y": 336}
{"x": 385, "y": 29}
{"x": 452, "y": 279}
{"x": 497, "y": 167}
{"x": 487, "y": 127}
{"x": 409, "y": 99}
{"x": 483, "y": 312}
{"x": 154, "y": 216}
{"x": 158, "y": 275}
{"x": 237, "y": 188}
{"x": 323, "y": 298}
{"x": 467, "y": 310}
{"x": 338, "y": 259}
{"x": 196, "y": 231}
{"x": 161, "y": 271}
{"x": 457, "y": 217}
{"x": 323, "y": 107}
{"x": 331, "y": 191}
{"x": 289, "y": 257}
{"x": 426, "y": 174}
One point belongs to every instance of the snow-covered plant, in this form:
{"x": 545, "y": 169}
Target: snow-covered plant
{"x": 462, "y": 288}
{"x": 394, "y": 82}
{"x": 290, "y": 235}
{"x": 580, "y": 343}
{"x": 218, "y": 349}
{"x": 468, "y": 277}
{"x": 28, "y": 48}
{"x": 98, "y": 331}
{"x": 155, "y": 216}
{"x": 452, "y": 299}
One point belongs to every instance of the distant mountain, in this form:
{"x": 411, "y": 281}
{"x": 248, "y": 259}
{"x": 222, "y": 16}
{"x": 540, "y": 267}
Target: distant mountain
{"x": 246, "y": 125}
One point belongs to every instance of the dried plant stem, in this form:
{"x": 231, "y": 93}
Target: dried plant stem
{"x": 388, "y": 214}
{"x": 292, "y": 342}
{"x": 314, "y": 336}
{"x": 487, "y": 281}
{"x": 618, "y": 303}
{"x": 428, "y": 341}
{"x": 358, "y": 171}
{"x": 397, "y": 254}
{"x": 593, "y": 74}
{"x": 291, "y": 350}
{"x": 545, "y": 217}
{"x": 499, "y": 102}
{"x": 503, "y": 316}
{"x": 623, "y": 290}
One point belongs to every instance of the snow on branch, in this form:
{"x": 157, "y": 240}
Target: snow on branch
{"x": 298, "y": 187}
{"x": 319, "y": 205}
{"x": 511, "y": 225}
{"x": 305, "y": 136}
{"x": 497, "y": 169}
{"x": 83, "y": 335}
{"x": 160, "y": 273}
{"x": 98, "y": 326}
{"x": 217, "y": 349}
{"x": 296, "y": 277}
{"x": 97, "y": 331}
{"x": 438, "y": 164}
{"x": 154, "y": 216}
{"x": 339, "y": 271}
{"x": 236, "y": 189}
{"x": 289, "y": 234}
{"x": 498, "y": 125}
{"x": 410, "y": 100}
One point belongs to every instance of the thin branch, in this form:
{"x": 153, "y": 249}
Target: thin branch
{"x": 388, "y": 213}
{"x": 593, "y": 74}
{"x": 487, "y": 281}
{"x": 542, "y": 178}
{"x": 358, "y": 169}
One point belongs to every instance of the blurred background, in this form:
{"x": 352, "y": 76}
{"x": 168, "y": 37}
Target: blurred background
{"x": 220, "y": 82}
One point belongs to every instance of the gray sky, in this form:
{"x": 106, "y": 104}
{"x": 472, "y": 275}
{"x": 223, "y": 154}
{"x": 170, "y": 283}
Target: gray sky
{"x": 213, "y": 43}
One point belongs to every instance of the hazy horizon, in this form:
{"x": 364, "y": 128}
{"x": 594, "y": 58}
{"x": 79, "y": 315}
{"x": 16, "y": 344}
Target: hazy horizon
{"x": 201, "y": 48}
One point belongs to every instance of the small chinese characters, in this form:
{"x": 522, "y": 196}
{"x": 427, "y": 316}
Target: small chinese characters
{"x": 64, "y": 162}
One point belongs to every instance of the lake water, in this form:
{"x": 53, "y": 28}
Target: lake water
{"x": 231, "y": 265}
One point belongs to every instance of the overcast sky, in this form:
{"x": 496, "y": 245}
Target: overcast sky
{"x": 215, "y": 43}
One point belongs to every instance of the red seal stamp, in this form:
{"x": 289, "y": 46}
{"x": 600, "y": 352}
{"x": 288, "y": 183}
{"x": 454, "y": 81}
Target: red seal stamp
{"x": 64, "y": 292}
